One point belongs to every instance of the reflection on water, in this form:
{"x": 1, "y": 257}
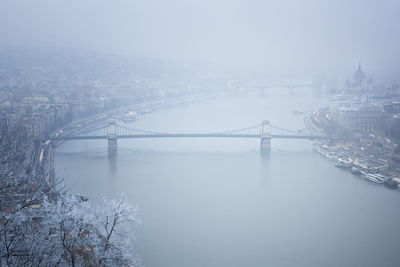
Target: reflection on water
{"x": 112, "y": 165}
{"x": 218, "y": 202}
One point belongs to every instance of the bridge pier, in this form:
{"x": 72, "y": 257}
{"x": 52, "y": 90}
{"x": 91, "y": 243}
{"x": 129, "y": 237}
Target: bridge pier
{"x": 112, "y": 147}
{"x": 112, "y": 139}
{"x": 265, "y": 142}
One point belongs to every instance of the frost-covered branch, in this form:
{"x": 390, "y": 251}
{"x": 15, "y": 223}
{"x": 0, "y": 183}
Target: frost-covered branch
{"x": 42, "y": 226}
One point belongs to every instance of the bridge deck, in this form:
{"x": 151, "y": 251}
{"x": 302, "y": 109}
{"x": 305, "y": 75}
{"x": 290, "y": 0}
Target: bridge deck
{"x": 189, "y": 135}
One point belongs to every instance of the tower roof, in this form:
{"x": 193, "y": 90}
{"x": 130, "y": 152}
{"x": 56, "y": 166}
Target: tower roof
{"x": 359, "y": 73}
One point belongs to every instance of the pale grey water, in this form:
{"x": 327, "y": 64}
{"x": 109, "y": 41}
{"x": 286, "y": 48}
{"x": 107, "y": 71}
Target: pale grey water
{"x": 217, "y": 202}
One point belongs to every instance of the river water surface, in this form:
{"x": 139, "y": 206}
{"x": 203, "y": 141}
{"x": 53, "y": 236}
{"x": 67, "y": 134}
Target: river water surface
{"x": 217, "y": 202}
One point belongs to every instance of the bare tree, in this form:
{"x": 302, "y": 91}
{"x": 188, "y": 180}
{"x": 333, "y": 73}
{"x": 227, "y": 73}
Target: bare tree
{"x": 116, "y": 222}
{"x": 42, "y": 226}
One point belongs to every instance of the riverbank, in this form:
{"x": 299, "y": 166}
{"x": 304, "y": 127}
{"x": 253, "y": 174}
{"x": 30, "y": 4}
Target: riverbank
{"x": 126, "y": 112}
{"x": 366, "y": 157}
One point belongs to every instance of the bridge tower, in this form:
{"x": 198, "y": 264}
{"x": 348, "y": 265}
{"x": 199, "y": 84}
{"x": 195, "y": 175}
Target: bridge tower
{"x": 112, "y": 139}
{"x": 265, "y": 144}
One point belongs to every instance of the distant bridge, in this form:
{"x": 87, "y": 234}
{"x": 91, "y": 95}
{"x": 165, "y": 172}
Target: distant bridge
{"x": 111, "y": 131}
{"x": 290, "y": 87}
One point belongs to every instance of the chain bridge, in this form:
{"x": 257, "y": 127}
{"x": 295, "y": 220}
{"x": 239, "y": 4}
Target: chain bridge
{"x": 112, "y": 131}
{"x": 290, "y": 87}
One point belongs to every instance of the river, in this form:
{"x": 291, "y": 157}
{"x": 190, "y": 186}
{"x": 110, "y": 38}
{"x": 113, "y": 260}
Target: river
{"x": 217, "y": 202}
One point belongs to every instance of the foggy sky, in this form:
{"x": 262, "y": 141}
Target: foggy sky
{"x": 288, "y": 35}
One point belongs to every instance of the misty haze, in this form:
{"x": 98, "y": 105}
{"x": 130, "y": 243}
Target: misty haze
{"x": 199, "y": 133}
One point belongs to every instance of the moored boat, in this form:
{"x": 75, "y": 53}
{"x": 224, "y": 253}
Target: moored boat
{"x": 389, "y": 183}
{"x": 297, "y": 112}
{"x": 397, "y": 181}
{"x": 343, "y": 162}
{"x": 325, "y": 151}
{"x": 373, "y": 177}
{"x": 129, "y": 119}
{"x": 355, "y": 171}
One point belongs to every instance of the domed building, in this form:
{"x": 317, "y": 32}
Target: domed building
{"x": 359, "y": 76}
{"x": 358, "y": 84}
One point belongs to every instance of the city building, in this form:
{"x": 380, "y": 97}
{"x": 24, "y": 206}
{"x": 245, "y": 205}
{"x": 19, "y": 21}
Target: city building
{"x": 358, "y": 116}
{"x": 358, "y": 84}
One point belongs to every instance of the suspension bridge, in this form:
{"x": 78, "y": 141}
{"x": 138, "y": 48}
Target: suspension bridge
{"x": 291, "y": 87}
{"x": 112, "y": 131}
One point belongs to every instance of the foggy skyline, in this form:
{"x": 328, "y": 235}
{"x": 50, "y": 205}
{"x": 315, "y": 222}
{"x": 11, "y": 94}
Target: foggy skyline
{"x": 301, "y": 37}
{"x": 194, "y": 133}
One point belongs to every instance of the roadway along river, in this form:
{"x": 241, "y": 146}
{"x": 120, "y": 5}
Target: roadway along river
{"x": 217, "y": 202}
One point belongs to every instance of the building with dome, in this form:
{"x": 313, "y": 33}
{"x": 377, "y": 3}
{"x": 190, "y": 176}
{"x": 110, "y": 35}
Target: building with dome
{"x": 359, "y": 76}
{"x": 354, "y": 111}
{"x": 359, "y": 83}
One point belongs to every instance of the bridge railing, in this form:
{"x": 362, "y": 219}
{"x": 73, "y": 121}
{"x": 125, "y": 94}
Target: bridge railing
{"x": 123, "y": 130}
{"x": 252, "y": 131}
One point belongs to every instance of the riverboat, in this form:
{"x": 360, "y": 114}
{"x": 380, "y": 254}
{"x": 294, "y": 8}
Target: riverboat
{"x": 343, "y": 162}
{"x": 389, "y": 183}
{"x": 374, "y": 177}
{"x": 297, "y": 112}
{"x": 355, "y": 171}
{"x": 129, "y": 119}
{"x": 146, "y": 111}
{"x": 324, "y": 151}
